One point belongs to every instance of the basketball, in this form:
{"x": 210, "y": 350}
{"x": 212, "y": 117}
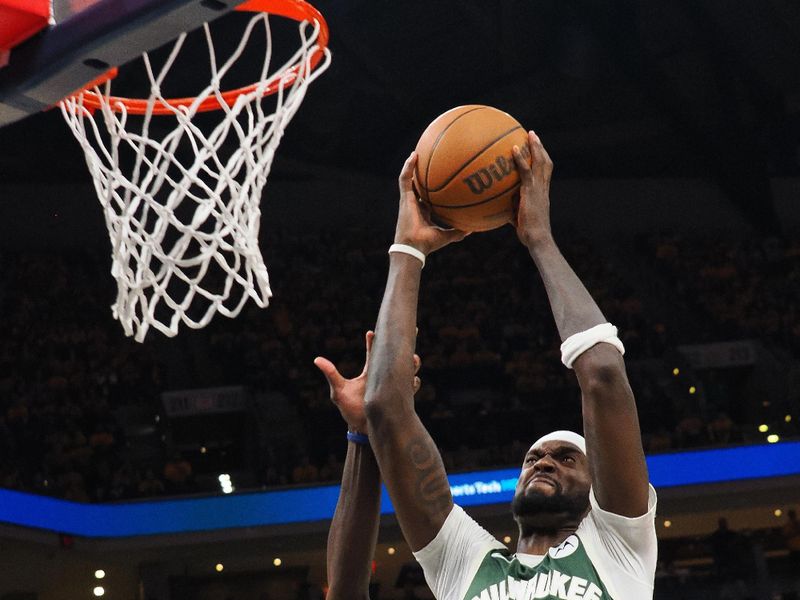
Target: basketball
{"x": 465, "y": 169}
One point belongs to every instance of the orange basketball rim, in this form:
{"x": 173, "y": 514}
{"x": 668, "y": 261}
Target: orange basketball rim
{"x": 298, "y": 10}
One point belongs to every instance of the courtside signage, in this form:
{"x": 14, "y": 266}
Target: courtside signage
{"x": 298, "y": 505}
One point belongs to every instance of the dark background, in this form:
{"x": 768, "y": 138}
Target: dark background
{"x": 615, "y": 88}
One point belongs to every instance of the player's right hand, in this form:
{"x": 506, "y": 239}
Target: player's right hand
{"x": 533, "y": 212}
{"x": 414, "y": 226}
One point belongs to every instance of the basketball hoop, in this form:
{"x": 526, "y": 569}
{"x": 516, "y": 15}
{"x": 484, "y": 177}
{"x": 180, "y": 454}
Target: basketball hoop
{"x": 184, "y": 229}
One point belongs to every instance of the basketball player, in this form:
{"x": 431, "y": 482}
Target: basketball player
{"x": 584, "y": 508}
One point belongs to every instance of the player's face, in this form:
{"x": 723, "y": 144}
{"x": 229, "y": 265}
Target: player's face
{"x": 554, "y": 481}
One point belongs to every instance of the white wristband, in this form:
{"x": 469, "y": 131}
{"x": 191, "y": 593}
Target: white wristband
{"x": 408, "y": 250}
{"x": 577, "y": 344}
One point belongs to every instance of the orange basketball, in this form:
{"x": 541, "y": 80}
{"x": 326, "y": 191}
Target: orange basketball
{"x": 465, "y": 169}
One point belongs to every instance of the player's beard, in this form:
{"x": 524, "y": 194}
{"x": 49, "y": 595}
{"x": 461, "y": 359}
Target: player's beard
{"x": 535, "y": 504}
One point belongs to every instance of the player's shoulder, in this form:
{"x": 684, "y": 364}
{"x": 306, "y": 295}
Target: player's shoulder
{"x": 607, "y": 519}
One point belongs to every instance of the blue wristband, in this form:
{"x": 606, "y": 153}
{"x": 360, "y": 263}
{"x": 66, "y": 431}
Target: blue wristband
{"x": 358, "y": 438}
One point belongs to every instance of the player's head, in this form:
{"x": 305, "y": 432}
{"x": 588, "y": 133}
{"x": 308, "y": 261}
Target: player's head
{"x": 554, "y": 482}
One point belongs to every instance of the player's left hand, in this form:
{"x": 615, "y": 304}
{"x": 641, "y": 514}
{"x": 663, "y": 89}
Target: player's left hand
{"x": 348, "y": 394}
{"x": 414, "y": 226}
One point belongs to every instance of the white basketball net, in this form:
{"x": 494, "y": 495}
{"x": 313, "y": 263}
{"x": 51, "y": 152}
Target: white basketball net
{"x": 184, "y": 233}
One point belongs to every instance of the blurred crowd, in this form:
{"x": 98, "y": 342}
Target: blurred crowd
{"x": 733, "y": 563}
{"x": 492, "y": 378}
{"x": 64, "y": 368}
{"x": 743, "y": 288}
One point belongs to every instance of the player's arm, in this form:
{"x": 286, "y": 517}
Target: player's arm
{"x": 610, "y": 421}
{"x": 409, "y": 460}
{"x": 354, "y": 529}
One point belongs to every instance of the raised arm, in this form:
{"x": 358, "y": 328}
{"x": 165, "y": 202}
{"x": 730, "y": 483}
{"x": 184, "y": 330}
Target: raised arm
{"x": 610, "y": 421}
{"x": 409, "y": 460}
{"x": 354, "y": 529}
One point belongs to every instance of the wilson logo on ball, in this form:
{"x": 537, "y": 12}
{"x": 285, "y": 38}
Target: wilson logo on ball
{"x": 484, "y": 178}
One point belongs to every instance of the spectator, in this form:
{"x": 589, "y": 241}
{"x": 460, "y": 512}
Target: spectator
{"x": 720, "y": 430}
{"x": 791, "y": 537}
{"x": 332, "y": 469}
{"x": 691, "y": 431}
{"x": 121, "y": 483}
{"x": 732, "y": 560}
{"x": 305, "y": 472}
{"x": 64, "y": 372}
{"x": 178, "y": 473}
{"x": 150, "y": 485}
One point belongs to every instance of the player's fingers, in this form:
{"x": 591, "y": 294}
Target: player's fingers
{"x": 540, "y": 160}
{"x": 543, "y": 158}
{"x": 521, "y": 160}
{"x": 536, "y": 150}
{"x": 368, "y": 337}
{"x": 330, "y": 372}
{"x": 405, "y": 175}
{"x": 547, "y": 164}
{"x": 449, "y": 236}
{"x": 417, "y": 363}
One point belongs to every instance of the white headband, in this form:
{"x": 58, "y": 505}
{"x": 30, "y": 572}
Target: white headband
{"x": 563, "y": 436}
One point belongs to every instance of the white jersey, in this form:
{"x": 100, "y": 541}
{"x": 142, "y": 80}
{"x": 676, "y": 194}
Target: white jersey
{"x": 610, "y": 557}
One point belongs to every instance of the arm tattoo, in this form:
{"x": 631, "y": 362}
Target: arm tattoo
{"x": 431, "y": 486}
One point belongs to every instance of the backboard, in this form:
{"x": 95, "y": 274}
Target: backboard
{"x": 86, "y": 38}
